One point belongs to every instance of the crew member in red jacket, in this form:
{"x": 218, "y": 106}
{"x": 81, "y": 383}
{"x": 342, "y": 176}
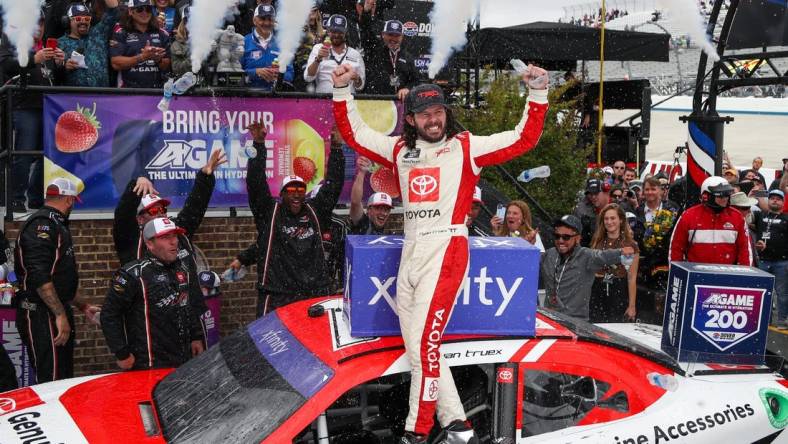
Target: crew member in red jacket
{"x": 712, "y": 232}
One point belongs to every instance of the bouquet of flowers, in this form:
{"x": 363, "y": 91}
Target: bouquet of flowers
{"x": 658, "y": 229}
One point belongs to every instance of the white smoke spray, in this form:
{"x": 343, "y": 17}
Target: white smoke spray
{"x": 20, "y": 23}
{"x": 448, "y": 19}
{"x": 205, "y": 18}
{"x": 290, "y": 19}
{"x": 687, "y": 17}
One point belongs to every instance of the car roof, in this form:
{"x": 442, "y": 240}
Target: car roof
{"x": 328, "y": 335}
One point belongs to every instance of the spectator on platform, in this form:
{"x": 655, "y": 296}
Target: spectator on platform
{"x": 596, "y": 199}
{"x": 166, "y": 15}
{"x": 394, "y": 67}
{"x": 139, "y": 50}
{"x": 771, "y": 233}
{"x": 619, "y": 168}
{"x": 568, "y": 268}
{"x": 474, "y": 228}
{"x": 744, "y": 205}
{"x": 180, "y": 49}
{"x": 48, "y": 278}
{"x": 89, "y": 43}
{"x": 348, "y": 9}
{"x": 291, "y": 262}
{"x": 517, "y": 223}
{"x": 54, "y": 14}
{"x": 614, "y": 292}
{"x": 379, "y": 205}
{"x": 261, "y": 52}
{"x": 246, "y": 11}
{"x": 27, "y": 172}
{"x": 313, "y": 34}
{"x": 757, "y": 163}
{"x": 148, "y": 316}
{"x": 325, "y": 58}
{"x": 731, "y": 175}
{"x": 712, "y": 232}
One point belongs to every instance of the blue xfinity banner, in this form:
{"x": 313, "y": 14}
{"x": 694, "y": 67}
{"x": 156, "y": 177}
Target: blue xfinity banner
{"x": 499, "y": 296}
{"x": 717, "y": 313}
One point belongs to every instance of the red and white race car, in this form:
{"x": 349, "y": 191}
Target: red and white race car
{"x": 292, "y": 377}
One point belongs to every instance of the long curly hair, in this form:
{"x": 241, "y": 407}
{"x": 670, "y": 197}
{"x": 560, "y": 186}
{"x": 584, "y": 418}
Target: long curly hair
{"x": 410, "y": 134}
{"x": 601, "y": 233}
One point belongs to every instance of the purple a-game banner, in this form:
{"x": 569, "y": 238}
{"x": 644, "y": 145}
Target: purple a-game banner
{"x": 17, "y": 352}
{"x": 102, "y": 142}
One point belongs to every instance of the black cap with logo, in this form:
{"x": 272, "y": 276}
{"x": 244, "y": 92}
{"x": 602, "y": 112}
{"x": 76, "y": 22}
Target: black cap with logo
{"x": 423, "y": 97}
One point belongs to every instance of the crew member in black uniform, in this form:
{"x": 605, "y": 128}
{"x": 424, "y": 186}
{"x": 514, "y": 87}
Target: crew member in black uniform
{"x": 147, "y": 318}
{"x": 771, "y": 231}
{"x": 140, "y": 203}
{"x": 396, "y": 68}
{"x": 46, "y": 272}
{"x": 291, "y": 261}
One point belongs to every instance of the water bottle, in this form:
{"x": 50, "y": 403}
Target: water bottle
{"x": 232, "y": 275}
{"x": 540, "y": 172}
{"x": 518, "y": 66}
{"x": 626, "y": 260}
{"x": 164, "y": 104}
{"x": 666, "y": 382}
{"x": 184, "y": 83}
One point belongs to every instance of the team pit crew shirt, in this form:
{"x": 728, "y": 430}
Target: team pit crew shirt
{"x": 145, "y": 74}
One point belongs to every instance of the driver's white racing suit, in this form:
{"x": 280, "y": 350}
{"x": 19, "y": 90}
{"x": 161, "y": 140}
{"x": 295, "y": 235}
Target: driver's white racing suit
{"x": 436, "y": 182}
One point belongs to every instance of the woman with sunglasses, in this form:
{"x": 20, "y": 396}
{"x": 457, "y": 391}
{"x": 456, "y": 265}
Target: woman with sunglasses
{"x": 614, "y": 293}
{"x": 139, "y": 50}
{"x": 517, "y": 223}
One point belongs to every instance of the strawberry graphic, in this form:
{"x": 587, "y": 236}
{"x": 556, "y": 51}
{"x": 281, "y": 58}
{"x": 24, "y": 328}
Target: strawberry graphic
{"x": 383, "y": 180}
{"x": 77, "y": 131}
{"x": 305, "y": 168}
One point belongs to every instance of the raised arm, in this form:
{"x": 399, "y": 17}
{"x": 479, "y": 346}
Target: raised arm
{"x": 505, "y": 146}
{"x": 354, "y": 130}
{"x": 260, "y": 199}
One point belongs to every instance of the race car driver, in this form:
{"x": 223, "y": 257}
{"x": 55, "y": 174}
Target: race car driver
{"x": 438, "y": 169}
{"x": 147, "y": 317}
{"x": 712, "y": 232}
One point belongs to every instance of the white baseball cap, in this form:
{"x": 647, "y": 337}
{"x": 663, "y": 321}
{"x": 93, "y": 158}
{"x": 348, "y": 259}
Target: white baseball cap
{"x": 380, "y": 199}
{"x": 608, "y": 170}
{"x": 150, "y": 200}
{"x": 477, "y": 195}
{"x": 292, "y": 179}
{"x": 60, "y": 186}
{"x": 160, "y": 226}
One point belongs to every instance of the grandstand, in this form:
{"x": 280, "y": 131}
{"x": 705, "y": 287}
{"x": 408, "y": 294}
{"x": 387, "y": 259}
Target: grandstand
{"x": 667, "y": 78}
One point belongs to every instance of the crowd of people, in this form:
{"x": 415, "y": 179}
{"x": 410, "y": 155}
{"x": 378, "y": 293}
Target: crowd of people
{"x": 143, "y": 43}
{"x": 593, "y": 20}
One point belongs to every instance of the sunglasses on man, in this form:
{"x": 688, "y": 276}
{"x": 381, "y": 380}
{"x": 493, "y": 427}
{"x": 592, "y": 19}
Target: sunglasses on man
{"x": 156, "y": 210}
{"x": 563, "y": 237}
{"x": 295, "y": 189}
{"x": 82, "y": 19}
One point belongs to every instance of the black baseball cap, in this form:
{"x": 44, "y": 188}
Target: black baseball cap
{"x": 393, "y": 27}
{"x": 337, "y": 23}
{"x": 423, "y": 97}
{"x": 593, "y": 186}
{"x": 264, "y": 10}
{"x": 569, "y": 221}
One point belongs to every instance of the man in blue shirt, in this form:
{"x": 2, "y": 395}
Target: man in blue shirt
{"x": 140, "y": 51}
{"x": 90, "y": 42}
{"x": 261, "y": 49}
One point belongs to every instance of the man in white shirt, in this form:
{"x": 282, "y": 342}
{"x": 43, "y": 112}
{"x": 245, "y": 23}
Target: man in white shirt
{"x": 325, "y": 58}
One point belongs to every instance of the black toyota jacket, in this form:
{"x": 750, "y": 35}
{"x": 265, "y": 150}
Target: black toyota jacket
{"x": 291, "y": 260}
{"x": 147, "y": 313}
{"x": 45, "y": 253}
{"x": 377, "y": 54}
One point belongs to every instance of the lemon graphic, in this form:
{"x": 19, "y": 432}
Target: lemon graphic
{"x": 53, "y": 171}
{"x": 380, "y": 115}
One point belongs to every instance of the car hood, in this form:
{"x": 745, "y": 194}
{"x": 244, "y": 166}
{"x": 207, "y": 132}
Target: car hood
{"x": 103, "y": 408}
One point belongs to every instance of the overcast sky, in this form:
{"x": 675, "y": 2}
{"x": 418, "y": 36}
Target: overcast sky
{"x": 498, "y": 13}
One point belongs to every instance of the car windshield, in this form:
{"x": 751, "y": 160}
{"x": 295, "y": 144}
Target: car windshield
{"x": 242, "y": 389}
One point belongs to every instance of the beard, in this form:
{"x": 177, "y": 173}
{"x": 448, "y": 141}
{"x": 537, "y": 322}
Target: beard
{"x": 429, "y": 139}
